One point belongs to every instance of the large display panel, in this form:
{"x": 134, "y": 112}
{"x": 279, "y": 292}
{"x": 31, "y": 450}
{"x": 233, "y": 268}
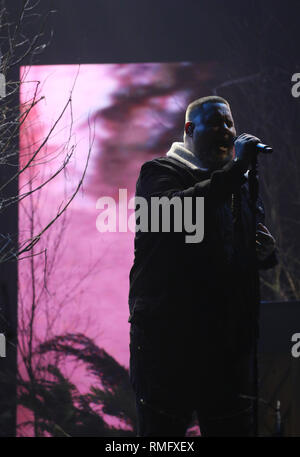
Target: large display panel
{"x": 73, "y": 292}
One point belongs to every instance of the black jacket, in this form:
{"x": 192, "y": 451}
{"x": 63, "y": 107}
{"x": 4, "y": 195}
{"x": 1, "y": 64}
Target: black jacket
{"x": 207, "y": 289}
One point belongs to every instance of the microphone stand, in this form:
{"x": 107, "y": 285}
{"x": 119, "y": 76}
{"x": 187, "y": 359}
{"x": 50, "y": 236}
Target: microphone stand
{"x": 253, "y": 191}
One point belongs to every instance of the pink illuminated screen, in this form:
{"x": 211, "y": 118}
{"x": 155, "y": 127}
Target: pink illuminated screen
{"x": 77, "y": 282}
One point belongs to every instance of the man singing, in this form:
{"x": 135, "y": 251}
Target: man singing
{"x": 193, "y": 307}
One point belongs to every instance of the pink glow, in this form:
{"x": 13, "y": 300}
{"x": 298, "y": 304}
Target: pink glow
{"x": 88, "y": 284}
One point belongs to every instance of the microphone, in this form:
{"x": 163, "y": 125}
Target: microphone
{"x": 264, "y": 148}
{"x": 261, "y": 147}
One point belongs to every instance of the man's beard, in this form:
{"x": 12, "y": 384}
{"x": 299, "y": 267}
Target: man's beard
{"x": 214, "y": 160}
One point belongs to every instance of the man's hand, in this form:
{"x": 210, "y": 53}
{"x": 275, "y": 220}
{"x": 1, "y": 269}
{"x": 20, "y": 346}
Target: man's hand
{"x": 245, "y": 149}
{"x": 265, "y": 243}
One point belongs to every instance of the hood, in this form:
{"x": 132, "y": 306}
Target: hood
{"x": 179, "y": 152}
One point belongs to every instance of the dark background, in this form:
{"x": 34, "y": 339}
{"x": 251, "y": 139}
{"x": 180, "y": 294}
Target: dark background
{"x": 174, "y": 30}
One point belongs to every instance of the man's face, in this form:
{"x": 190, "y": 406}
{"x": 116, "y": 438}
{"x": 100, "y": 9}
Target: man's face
{"x": 213, "y": 134}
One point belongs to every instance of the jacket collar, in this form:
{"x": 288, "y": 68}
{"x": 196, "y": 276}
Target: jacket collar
{"x": 179, "y": 152}
{"x": 182, "y": 154}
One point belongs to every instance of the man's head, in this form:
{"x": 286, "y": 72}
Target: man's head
{"x": 209, "y": 131}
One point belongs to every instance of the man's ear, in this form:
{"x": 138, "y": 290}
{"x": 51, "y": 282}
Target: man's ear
{"x": 189, "y": 128}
